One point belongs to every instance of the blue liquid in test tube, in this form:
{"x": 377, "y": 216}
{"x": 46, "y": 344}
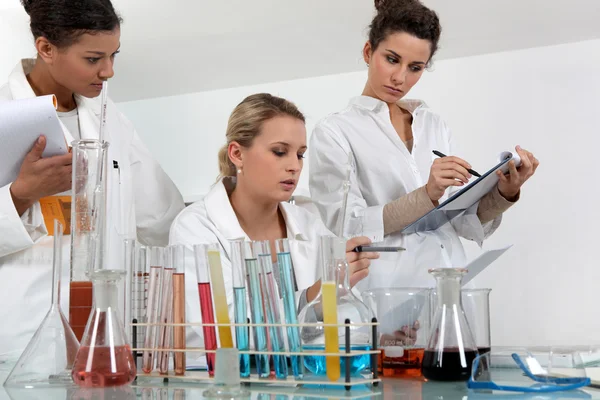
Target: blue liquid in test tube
{"x": 286, "y": 276}
{"x": 271, "y": 294}
{"x": 238, "y": 267}
{"x": 256, "y": 310}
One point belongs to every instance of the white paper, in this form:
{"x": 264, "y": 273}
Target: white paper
{"x": 21, "y": 123}
{"x": 408, "y": 309}
{"x": 475, "y": 267}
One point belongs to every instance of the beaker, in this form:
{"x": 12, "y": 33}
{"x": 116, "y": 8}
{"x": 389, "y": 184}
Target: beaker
{"x": 404, "y": 319}
{"x": 104, "y": 358}
{"x": 343, "y": 305}
{"x": 450, "y": 349}
{"x": 88, "y": 213}
{"x": 476, "y": 303}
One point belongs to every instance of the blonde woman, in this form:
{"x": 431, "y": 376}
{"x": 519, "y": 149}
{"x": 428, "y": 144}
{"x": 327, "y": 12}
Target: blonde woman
{"x": 259, "y": 169}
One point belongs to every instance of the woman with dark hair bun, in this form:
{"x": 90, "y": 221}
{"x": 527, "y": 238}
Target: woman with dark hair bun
{"x": 76, "y": 44}
{"x": 396, "y": 178}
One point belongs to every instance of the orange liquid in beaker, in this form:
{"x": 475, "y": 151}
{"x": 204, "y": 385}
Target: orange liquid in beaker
{"x": 80, "y": 306}
{"x": 105, "y": 370}
{"x": 407, "y": 366}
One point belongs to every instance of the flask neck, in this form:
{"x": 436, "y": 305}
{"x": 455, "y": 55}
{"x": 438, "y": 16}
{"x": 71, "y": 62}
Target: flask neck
{"x": 106, "y": 289}
{"x": 448, "y": 290}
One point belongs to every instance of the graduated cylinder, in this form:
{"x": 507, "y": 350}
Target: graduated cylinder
{"x": 88, "y": 226}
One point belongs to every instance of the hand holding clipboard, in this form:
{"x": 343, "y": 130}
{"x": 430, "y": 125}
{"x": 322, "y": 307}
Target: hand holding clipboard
{"x": 468, "y": 195}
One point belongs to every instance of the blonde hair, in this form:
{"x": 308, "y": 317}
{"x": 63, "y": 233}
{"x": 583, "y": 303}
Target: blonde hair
{"x": 246, "y": 121}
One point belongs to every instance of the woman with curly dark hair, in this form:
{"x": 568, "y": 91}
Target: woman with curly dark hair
{"x": 395, "y": 177}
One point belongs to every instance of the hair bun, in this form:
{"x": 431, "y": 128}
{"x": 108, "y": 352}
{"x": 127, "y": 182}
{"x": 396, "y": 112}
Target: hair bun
{"x": 27, "y": 5}
{"x": 382, "y": 5}
{"x": 379, "y": 4}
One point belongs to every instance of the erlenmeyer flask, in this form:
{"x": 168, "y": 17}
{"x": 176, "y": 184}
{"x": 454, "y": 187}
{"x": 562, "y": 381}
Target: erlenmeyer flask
{"x": 450, "y": 349}
{"x": 104, "y": 358}
{"x": 348, "y": 306}
{"x": 49, "y": 356}
{"x": 88, "y": 212}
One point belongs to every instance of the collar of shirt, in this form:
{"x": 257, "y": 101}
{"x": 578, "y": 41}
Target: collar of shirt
{"x": 221, "y": 213}
{"x": 376, "y": 105}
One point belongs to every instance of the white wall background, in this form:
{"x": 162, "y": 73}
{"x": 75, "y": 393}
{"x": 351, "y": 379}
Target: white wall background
{"x": 545, "y": 99}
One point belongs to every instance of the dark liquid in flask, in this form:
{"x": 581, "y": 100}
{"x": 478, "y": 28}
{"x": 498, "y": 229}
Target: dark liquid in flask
{"x": 447, "y": 366}
{"x": 483, "y": 350}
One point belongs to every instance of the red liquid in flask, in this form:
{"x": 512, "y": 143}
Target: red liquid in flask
{"x": 105, "y": 370}
{"x": 208, "y": 317}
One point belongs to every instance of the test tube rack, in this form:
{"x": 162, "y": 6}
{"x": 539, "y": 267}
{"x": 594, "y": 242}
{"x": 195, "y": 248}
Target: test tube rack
{"x": 347, "y": 380}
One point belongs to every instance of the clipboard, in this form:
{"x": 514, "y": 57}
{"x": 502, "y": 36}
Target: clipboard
{"x": 463, "y": 199}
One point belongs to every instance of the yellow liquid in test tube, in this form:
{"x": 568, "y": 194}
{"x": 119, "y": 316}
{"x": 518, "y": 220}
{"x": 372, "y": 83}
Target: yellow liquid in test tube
{"x": 220, "y": 298}
{"x": 329, "y": 292}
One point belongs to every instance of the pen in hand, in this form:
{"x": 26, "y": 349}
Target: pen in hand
{"x": 388, "y": 249}
{"x": 472, "y": 172}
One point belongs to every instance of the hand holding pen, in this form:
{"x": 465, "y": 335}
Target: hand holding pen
{"x": 446, "y": 172}
{"x": 359, "y": 262}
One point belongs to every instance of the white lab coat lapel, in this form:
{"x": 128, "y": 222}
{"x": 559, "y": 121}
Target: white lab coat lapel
{"x": 220, "y": 212}
{"x": 380, "y": 113}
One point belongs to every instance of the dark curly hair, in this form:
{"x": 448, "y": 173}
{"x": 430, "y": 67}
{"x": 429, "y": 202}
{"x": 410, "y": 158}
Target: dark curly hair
{"x": 62, "y": 22}
{"x": 409, "y": 16}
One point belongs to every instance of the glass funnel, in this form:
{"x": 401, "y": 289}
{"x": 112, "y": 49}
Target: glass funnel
{"x": 450, "y": 349}
{"x": 49, "y": 356}
{"x": 104, "y": 358}
{"x": 88, "y": 212}
{"x": 334, "y": 304}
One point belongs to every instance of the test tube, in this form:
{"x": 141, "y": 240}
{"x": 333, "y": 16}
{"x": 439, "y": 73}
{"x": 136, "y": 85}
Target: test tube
{"x": 130, "y": 295}
{"x": 178, "y": 255}
{"x": 219, "y": 295}
{"x": 142, "y": 267}
{"x": 271, "y": 297}
{"x": 286, "y": 276}
{"x": 256, "y": 310}
{"x": 166, "y": 314}
{"x": 240, "y": 304}
{"x": 152, "y": 311}
{"x": 206, "y": 305}
{"x": 329, "y": 294}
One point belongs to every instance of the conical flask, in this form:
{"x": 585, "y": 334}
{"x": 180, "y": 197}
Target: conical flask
{"x": 104, "y": 358}
{"x": 334, "y": 283}
{"x": 49, "y": 356}
{"x": 450, "y": 349}
{"x": 88, "y": 213}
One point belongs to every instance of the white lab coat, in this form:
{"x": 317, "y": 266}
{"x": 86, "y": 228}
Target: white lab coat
{"x": 384, "y": 170}
{"x": 212, "y": 220}
{"x": 141, "y": 203}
